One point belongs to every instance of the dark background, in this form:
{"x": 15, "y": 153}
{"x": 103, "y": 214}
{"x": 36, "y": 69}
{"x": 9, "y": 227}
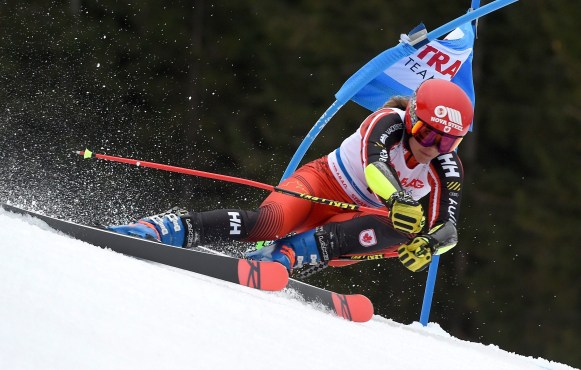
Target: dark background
{"x": 232, "y": 87}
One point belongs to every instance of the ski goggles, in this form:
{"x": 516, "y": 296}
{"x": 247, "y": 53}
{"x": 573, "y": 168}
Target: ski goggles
{"x": 427, "y": 137}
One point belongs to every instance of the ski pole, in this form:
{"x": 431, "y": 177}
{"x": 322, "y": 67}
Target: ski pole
{"x": 334, "y": 203}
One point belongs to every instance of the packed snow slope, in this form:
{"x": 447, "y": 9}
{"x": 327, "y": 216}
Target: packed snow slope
{"x": 65, "y": 304}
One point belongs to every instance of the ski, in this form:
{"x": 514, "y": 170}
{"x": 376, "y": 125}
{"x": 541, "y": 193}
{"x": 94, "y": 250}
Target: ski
{"x": 270, "y": 276}
{"x": 352, "y": 307}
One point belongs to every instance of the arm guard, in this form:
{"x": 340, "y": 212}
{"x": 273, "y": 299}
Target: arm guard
{"x": 381, "y": 180}
{"x": 444, "y": 237}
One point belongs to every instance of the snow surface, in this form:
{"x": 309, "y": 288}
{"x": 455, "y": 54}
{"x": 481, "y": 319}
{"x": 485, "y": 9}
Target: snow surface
{"x": 65, "y": 304}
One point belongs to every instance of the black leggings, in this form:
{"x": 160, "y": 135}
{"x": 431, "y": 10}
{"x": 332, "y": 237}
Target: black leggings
{"x": 360, "y": 235}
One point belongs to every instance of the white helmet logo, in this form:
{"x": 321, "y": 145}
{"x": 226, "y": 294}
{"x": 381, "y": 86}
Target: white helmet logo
{"x": 454, "y": 115}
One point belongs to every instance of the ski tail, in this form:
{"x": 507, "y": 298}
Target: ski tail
{"x": 354, "y": 307}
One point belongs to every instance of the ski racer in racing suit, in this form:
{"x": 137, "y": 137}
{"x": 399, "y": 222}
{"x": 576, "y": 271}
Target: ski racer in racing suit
{"x": 403, "y": 160}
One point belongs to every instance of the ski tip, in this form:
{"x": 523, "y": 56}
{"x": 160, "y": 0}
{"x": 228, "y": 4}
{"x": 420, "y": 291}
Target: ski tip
{"x": 366, "y": 312}
{"x": 353, "y": 307}
{"x": 271, "y": 276}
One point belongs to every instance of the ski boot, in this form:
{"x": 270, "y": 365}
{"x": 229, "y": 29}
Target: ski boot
{"x": 167, "y": 228}
{"x": 310, "y": 247}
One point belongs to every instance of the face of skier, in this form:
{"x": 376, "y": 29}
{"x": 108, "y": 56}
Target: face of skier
{"x": 421, "y": 153}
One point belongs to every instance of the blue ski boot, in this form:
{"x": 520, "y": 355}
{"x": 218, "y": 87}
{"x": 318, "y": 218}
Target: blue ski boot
{"x": 174, "y": 227}
{"x": 296, "y": 250}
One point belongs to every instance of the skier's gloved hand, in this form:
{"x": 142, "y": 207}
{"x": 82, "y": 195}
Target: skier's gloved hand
{"x": 406, "y": 213}
{"x": 416, "y": 255}
{"x": 174, "y": 227}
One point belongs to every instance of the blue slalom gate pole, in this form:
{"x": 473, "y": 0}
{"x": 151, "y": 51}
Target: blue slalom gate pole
{"x": 433, "y": 269}
{"x": 477, "y": 12}
{"x": 308, "y": 140}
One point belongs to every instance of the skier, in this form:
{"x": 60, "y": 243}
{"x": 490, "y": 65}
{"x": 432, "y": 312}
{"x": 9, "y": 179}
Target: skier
{"x": 402, "y": 156}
